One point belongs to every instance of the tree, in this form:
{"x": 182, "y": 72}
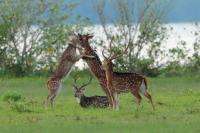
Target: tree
{"x": 136, "y": 24}
{"x": 195, "y": 59}
{"x": 3, "y": 34}
{"x": 35, "y": 28}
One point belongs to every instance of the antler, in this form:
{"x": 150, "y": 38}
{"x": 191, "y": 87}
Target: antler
{"x": 113, "y": 55}
{"x": 85, "y": 84}
{"x": 110, "y": 49}
{"x": 75, "y": 81}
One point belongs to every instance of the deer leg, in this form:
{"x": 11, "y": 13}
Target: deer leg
{"x": 53, "y": 87}
{"x": 46, "y": 102}
{"x": 87, "y": 56}
{"x": 113, "y": 101}
{"x": 146, "y": 94}
{"x": 138, "y": 97}
{"x": 83, "y": 57}
{"x": 116, "y": 101}
{"x": 51, "y": 98}
{"x": 110, "y": 98}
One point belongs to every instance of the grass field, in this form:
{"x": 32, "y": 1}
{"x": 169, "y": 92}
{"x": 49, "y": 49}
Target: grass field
{"x": 177, "y": 101}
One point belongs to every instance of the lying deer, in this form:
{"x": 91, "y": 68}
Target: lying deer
{"x": 84, "y": 101}
{"x": 68, "y": 59}
{"x": 123, "y": 82}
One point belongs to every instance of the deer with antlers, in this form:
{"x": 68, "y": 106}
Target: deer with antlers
{"x": 123, "y": 82}
{"x": 95, "y": 63}
{"x": 67, "y": 61}
{"x": 96, "y": 68}
{"x": 84, "y": 101}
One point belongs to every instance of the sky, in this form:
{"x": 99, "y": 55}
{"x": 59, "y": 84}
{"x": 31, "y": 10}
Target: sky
{"x": 177, "y": 11}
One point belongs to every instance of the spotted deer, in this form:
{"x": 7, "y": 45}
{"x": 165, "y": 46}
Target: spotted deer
{"x": 67, "y": 61}
{"x": 94, "y": 63}
{"x": 123, "y": 82}
{"x": 92, "y": 101}
{"x": 96, "y": 68}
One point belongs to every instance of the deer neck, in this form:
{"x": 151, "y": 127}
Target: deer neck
{"x": 109, "y": 75}
{"x": 82, "y": 97}
{"x": 70, "y": 48}
{"x": 94, "y": 64}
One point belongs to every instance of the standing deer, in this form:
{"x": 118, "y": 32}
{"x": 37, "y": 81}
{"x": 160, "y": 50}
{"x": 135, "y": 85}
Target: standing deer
{"x": 123, "y": 82}
{"x": 95, "y": 66}
{"x": 67, "y": 61}
{"x": 95, "y": 63}
{"x": 84, "y": 101}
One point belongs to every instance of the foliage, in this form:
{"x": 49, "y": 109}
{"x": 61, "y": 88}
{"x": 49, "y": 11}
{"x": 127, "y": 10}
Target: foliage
{"x": 138, "y": 26}
{"x": 183, "y": 60}
{"x": 31, "y": 31}
{"x": 16, "y": 102}
{"x": 195, "y": 59}
{"x": 12, "y": 96}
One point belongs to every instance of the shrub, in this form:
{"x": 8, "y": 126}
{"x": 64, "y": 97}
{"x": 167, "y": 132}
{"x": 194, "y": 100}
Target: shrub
{"x": 16, "y": 102}
{"x": 12, "y": 96}
{"x": 20, "y": 107}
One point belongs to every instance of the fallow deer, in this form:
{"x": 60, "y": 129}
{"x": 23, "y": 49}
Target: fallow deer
{"x": 95, "y": 63}
{"x": 67, "y": 61}
{"x": 84, "y": 101}
{"x": 123, "y": 82}
{"x": 95, "y": 66}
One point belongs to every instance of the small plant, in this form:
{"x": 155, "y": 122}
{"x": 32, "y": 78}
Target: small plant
{"x": 20, "y": 107}
{"x": 16, "y": 102}
{"x": 12, "y": 96}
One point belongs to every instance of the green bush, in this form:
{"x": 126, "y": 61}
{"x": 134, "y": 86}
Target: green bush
{"x": 16, "y": 102}
{"x": 12, "y": 96}
{"x": 20, "y": 107}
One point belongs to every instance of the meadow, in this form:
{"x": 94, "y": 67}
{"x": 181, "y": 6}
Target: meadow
{"x": 177, "y": 101}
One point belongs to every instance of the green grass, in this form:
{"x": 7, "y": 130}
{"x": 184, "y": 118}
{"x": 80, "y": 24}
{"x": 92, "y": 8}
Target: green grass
{"x": 177, "y": 101}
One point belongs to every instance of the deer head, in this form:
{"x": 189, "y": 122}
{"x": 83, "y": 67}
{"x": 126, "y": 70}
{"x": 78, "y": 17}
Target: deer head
{"x": 73, "y": 42}
{"x": 79, "y": 91}
{"x": 107, "y": 62}
{"x": 82, "y": 40}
